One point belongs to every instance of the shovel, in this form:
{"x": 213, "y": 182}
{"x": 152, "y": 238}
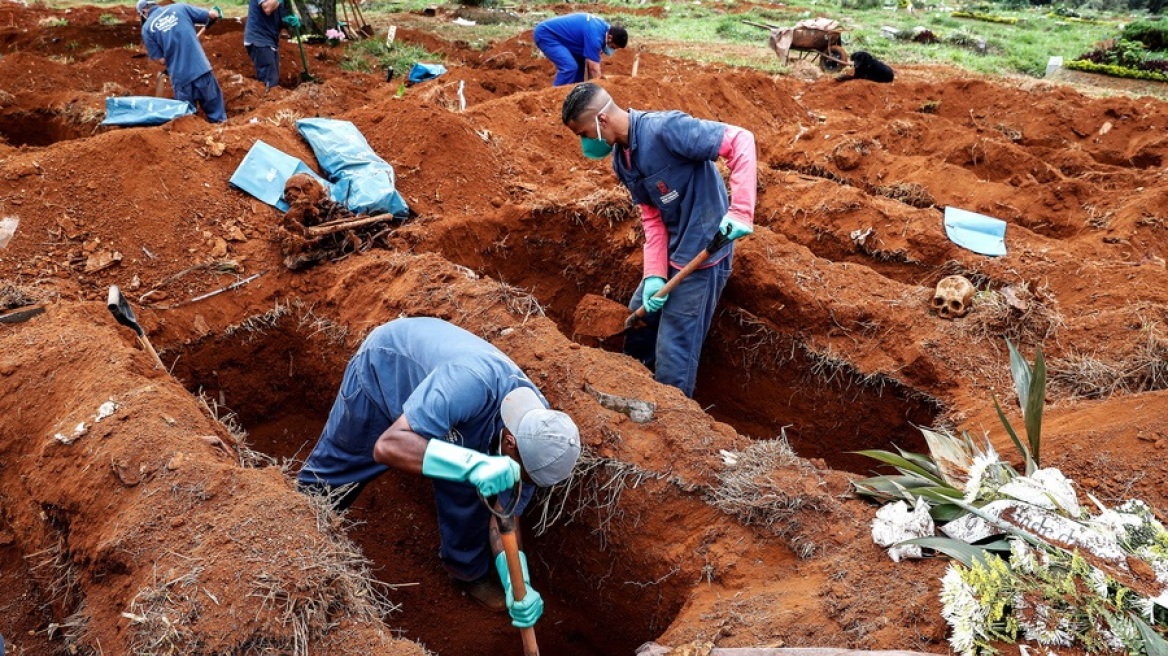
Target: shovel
{"x": 120, "y": 308}
{"x": 305, "y": 76}
{"x": 506, "y": 525}
{"x": 601, "y": 318}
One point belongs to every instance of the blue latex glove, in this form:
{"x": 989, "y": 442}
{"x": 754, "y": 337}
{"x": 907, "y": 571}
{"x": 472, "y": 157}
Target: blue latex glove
{"x": 450, "y": 462}
{"x": 733, "y": 228}
{"x": 652, "y": 285}
{"x": 292, "y": 21}
{"x": 526, "y": 612}
{"x": 218, "y": 12}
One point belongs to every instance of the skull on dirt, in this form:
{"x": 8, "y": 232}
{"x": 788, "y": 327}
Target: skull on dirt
{"x": 953, "y": 297}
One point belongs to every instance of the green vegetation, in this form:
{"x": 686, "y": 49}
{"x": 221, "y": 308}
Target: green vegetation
{"x": 1153, "y": 34}
{"x": 1020, "y": 572}
{"x": 369, "y": 55}
{"x": 109, "y": 19}
{"x": 989, "y": 18}
{"x": 1115, "y": 70}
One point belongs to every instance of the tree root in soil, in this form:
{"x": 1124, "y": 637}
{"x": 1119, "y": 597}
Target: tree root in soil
{"x": 316, "y": 228}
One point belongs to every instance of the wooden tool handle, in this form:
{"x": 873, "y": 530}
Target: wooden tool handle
{"x": 518, "y": 588}
{"x": 698, "y": 260}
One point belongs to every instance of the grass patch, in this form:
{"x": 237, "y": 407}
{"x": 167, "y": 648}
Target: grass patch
{"x": 370, "y": 55}
{"x": 109, "y": 19}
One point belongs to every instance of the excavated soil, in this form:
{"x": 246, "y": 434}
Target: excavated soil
{"x": 155, "y": 530}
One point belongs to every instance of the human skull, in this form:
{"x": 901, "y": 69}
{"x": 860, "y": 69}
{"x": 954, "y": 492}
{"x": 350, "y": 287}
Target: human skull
{"x": 953, "y": 296}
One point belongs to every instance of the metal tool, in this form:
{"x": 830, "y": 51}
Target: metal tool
{"x": 604, "y": 330}
{"x": 120, "y": 308}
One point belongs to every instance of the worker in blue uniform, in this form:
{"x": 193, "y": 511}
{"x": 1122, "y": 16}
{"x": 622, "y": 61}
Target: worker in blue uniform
{"x": 424, "y": 396}
{"x": 170, "y": 38}
{"x": 666, "y": 161}
{"x": 261, "y": 37}
{"x": 574, "y": 44}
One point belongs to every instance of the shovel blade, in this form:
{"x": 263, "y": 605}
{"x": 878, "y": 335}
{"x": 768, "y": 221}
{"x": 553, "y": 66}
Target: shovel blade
{"x": 120, "y": 308}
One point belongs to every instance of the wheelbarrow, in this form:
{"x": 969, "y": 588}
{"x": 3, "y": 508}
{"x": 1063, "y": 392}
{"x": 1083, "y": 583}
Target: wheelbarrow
{"x": 824, "y": 45}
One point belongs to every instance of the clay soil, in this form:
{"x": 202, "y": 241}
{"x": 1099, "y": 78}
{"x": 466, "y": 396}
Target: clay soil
{"x": 161, "y": 530}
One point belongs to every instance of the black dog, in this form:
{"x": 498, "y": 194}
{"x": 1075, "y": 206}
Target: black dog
{"x": 867, "y": 67}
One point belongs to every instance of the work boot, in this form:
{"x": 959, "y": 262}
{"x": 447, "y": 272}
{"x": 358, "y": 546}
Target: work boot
{"x": 488, "y": 592}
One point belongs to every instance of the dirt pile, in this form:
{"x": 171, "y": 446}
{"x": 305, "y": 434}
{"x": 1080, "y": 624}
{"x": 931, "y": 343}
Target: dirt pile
{"x": 154, "y": 529}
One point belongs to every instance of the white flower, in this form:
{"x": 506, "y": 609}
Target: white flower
{"x": 1022, "y": 558}
{"x": 962, "y": 611}
{"x": 982, "y": 474}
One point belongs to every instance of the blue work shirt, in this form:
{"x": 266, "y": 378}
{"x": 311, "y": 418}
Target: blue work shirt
{"x": 169, "y": 33}
{"x": 448, "y": 382}
{"x": 262, "y": 29}
{"x": 582, "y": 34}
{"x": 673, "y": 170}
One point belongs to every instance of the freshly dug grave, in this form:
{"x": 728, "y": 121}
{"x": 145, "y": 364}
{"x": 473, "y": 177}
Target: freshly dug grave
{"x": 153, "y": 530}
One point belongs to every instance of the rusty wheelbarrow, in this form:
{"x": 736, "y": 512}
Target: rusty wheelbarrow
{"x": 820, "y": 38}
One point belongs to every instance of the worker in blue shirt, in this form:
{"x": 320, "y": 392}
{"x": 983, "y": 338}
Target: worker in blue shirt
{"x": 666, "y": 161}
{"x": 170, "y": 38}
{"x": 261, "y": 37}
{"x": 574, "y": 44}
{"x": 424, "y": 396}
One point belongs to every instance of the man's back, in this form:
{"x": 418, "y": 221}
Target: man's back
{"x": 169, "y": 33}
{"x": 582, "y": 34}
{"x": 262, "y": 29}
{"x": 446, "y": 381}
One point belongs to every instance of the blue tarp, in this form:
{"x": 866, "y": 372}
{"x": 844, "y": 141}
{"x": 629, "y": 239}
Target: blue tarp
{"x": 263, "y": 172}
{"x": 422, "y": 72}
{"x": 977, "y": 232}
{"x": 144, "y": 110}
{"x": 362, "y": 181}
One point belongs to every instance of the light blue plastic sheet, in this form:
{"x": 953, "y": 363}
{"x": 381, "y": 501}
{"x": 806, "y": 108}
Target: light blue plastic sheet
{"x": 263, "y": 172}
{"x": 362, "y": 181}
{"x": 977, "y": 232}
{"x": 127, "y": 111}
{"x": 422, "y": 72}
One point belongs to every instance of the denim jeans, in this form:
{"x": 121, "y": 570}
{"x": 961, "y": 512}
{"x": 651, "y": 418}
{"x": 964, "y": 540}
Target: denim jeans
{"x": 670, "y": 344}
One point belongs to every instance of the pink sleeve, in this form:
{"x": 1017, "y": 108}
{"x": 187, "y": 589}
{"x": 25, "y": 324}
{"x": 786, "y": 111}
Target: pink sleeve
{"x": 738, "y": 151}
{"x": 656, "y": 242}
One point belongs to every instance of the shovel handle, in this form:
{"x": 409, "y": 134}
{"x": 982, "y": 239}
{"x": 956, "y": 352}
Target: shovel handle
{"x": 714, "y": 246}
{"x": 515, "y": 573}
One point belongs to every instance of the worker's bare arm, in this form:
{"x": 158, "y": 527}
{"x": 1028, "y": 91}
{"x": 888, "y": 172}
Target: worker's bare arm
{"x": 593, "y": 69}
{"x": 400, "y": 447}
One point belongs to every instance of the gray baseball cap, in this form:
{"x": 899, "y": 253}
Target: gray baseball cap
{"x": 548, "y": 440}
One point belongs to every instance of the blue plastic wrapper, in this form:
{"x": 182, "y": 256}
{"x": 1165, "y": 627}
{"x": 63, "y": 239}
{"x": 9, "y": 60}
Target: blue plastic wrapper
{"x": 422, "y": 72}
{"x": 128, "y": 111}
{"x": 977, "y": 232}
{"x": 361, "y": 180}
{"x": 264, "y": 171}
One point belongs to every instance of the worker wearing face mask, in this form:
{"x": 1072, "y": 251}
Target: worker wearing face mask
{"x": 666, "y": 160}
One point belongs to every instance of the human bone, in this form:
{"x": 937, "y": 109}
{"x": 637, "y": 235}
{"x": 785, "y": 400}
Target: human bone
{"x": 953, "y": 296}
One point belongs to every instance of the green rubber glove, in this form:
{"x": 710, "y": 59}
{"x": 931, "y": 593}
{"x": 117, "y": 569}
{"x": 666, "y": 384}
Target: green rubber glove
{"x": 218, "y": 12}
{"x": 524, "y": 613}
{"x": 450, "y": 462}
{"x": 733, "y": 228}
{"x": 292, "y": 21}
{"x": 652, "y": 285}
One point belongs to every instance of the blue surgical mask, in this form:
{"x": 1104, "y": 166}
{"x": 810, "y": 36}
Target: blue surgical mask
{"x": 596, "y": 148}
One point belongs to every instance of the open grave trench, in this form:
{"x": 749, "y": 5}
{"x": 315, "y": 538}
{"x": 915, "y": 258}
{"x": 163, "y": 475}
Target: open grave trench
{"x": 276, "y": 372}
{"x": 274, "y": 376}
{"x": 758, "y": 371}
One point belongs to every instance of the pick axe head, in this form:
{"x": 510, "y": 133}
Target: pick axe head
{"x": 120, "y": 308}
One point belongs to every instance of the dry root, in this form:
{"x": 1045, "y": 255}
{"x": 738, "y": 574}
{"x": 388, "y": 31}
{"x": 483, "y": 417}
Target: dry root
{"x": 316, "y": 228}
